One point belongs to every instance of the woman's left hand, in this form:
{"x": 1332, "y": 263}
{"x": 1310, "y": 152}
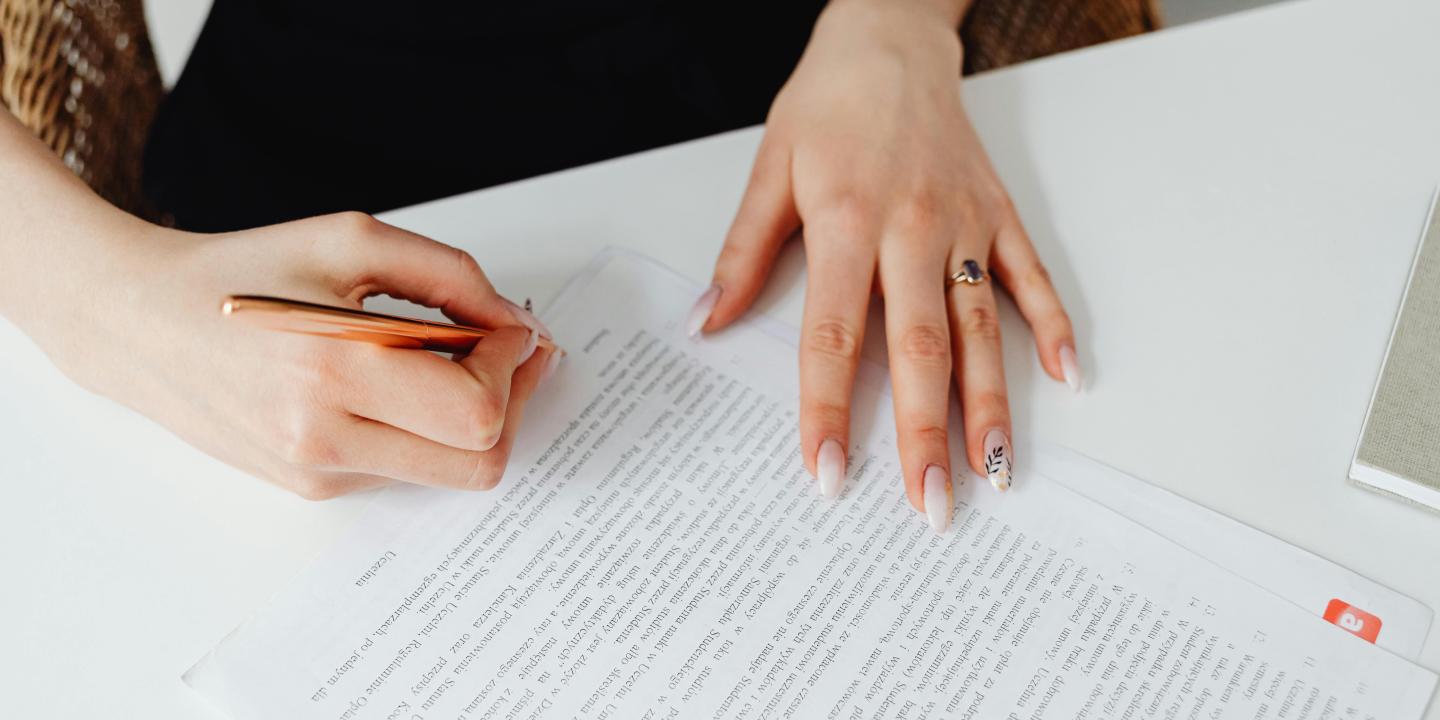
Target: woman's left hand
{"x": 869, "y": 148}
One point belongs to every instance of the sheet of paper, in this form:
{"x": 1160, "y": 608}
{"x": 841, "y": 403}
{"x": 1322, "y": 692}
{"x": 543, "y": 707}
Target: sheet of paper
{"x": 1308, "y": 580}
{"x": 658, "y": 550}
{"x": 1303, "y": 578}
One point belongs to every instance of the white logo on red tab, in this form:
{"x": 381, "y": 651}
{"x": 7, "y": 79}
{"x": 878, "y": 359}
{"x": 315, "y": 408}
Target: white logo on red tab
{"x": 1353, "y": 620}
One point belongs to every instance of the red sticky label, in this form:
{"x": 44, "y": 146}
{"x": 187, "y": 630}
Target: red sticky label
{"x": 1353, "y": 620}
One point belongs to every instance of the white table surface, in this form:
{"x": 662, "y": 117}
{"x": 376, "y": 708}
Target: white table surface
{"x": 1229, "y": 208}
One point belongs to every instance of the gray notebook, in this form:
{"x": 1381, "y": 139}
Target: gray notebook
{"x": 1399, "y": 448}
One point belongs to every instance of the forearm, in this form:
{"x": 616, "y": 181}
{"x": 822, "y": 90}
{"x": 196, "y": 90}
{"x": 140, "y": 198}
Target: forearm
{"x": 952, "y": 10}
{"x": 56, "y": 235}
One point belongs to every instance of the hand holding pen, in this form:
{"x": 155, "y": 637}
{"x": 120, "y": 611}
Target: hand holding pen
{"x": 318, "y": 417}
{"x": 410, "y": 415}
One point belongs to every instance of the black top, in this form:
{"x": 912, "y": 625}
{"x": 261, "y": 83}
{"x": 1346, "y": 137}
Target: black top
{"x": 292, "y": 108}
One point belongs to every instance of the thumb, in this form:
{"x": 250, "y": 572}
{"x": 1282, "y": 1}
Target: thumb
{"x": 766, "y": 219}
{"x": 378, "y": 258}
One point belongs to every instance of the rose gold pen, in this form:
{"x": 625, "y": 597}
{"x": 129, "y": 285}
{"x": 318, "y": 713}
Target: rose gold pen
{"x": 345, "y": 324}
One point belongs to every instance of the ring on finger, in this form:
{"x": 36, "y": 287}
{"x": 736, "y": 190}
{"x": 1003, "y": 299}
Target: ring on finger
{"x": 970, "y": 273}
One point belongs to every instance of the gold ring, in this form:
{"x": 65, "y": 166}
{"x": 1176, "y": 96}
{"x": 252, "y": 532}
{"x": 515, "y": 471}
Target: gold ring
{"x": 968, "y": 274}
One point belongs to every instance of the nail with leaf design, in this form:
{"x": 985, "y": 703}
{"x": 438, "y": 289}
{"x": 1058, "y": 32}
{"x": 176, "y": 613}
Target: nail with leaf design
{"x": 998, "y": 459}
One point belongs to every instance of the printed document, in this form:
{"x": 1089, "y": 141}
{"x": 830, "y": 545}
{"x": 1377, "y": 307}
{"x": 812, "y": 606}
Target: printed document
{"x": 1307, "y": 580}
{"x": 658, "y": 550}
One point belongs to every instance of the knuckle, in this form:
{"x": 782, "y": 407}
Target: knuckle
{"x": 834, "y": 339}
{"x": 992, "y": 407}
{"x": 486, "y": 469}
{"x": 980, "y": 323}
{"x": 321, "y": 372}
{"x": 998, "y": 201}
{"x": 831, "y": 418}
{"x": 483, "y": 418}
{"x": 918, "y": 213}
{"x": 930, "y": 434}
{"x": 466, "y": 263}
{"x": 1057, "y": 322}
{"x": 312, "y": 486}
{"x": 847, "y": 213}
{"x": 319, "y": 367}
{"x": 304, "y": 444}
{"x": 926, "y": 345}
{"x": 1035, "y": 275}
{"x": 735, "y": 254}
{"x": 355, "y": 225}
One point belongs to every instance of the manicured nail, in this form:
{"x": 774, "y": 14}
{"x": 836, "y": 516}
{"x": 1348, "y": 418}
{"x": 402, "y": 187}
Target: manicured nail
{"x": 700, "y": 314}
{"x": 532, "y": 341}
{"x": 1070, "y": 368}
{"x": 552, "y": 364}
{"x": 528, "y": 319}
{"x": 830, "y": 467}
{"x": 998, "y": 459}
{"x": 937, "y": 498}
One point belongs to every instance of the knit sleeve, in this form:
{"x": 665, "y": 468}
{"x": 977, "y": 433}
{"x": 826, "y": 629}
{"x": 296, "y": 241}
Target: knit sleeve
{"x": 81, "y": 75}
{"x": 997, "y": 33}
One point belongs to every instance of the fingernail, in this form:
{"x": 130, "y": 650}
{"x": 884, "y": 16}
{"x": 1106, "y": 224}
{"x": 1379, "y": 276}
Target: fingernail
{"x": 528, "y": 319}
{"x": 830, "y": 467}
{"x": 552, "y": 364}
{"x": 700, "y": 314}
{"x": 1070, "y": 368}
{"x": 937, "y": 498}
{"x": 532, "y": 341}
{"x": 998, "y": 459}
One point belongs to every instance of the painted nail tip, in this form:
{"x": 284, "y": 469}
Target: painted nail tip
{"x": 998, "y": 459}
{"x": 528, "y": 319}
{"x": 1072, "y": 380}
{"x": 830, "y": 468}
{"x": 532, "y": 342}
{"x": 830, "y": 485}
{"x": 700, "y": 313}
{"x": 937, "y": 498}
{"x": 551, "y": 365}
{"x": 1070, "y": 368}
{"x": 939, "y": 519}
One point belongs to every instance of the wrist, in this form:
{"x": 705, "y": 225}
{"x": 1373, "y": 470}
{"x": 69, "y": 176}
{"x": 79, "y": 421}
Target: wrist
{"x": 915, "y": 34}
{"x": 46, "y": 267}
{"x": 75, "y": 293}
{"x": 942, "y": 13}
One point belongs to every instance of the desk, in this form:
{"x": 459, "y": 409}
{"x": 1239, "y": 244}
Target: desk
{"x": 1230, "y": 209}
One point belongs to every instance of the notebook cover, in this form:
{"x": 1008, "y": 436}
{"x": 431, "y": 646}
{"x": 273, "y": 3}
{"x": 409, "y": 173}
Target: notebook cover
{"x": 1402, "y": 429}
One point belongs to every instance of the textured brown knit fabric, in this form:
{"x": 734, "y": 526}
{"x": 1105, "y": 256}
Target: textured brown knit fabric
{"x": 997, "y": 33}
{"x": 81, "y": 74}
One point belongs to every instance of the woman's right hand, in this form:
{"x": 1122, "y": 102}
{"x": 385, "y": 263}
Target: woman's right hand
{"x": 320, "y": 417}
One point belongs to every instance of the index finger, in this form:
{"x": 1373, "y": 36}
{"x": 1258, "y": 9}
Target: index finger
{"x": 370, "y": 257}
